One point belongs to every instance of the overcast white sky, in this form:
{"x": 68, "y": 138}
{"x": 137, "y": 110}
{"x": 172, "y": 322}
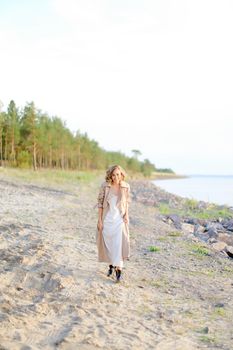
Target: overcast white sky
{"x": 153, "y": 75}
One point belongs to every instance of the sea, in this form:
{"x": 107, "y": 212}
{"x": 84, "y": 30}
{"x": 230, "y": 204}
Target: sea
{"x": 209, "y": 188}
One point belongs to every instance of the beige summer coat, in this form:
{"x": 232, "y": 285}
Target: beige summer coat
{"x": 122, "y": 203}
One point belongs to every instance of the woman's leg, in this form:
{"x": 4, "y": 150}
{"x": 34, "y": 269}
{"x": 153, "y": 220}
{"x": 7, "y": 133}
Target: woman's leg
{"x": 110, "y": 270}
{"x": 119, "y": 271}
{"x": 118, "y": 274}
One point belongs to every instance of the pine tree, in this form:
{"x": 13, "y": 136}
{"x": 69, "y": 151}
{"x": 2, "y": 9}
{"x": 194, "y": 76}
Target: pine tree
{"x": 13, "y": 130}
{"x": 29, "y": 131}
{"x": 33, "y": 138}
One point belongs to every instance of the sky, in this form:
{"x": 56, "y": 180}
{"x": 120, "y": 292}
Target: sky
{"x": 152, "y": 75}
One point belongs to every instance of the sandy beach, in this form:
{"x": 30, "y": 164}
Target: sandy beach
{"x": 55, "y": 295}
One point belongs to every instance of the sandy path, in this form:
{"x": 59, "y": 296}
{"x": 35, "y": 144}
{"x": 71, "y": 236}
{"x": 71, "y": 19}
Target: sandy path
{"x": 54, "y": 294}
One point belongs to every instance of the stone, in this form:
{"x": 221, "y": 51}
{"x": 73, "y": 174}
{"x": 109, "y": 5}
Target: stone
{"x": 230, "y": 227}
{"x": 229, "y": 251}
{"x": 193, "y": 238}
{"x": 202, "y": 236}
{"x": 188, "y": 228}
{"x": 219, "y": 305}
{"x": 212, "y": 232}
{"x": 219, "y": 246}
{"x": 191, "y": 221}
{"x": 230, "y": 254}
{"x": 216, "y": 226}
{"x": 212, "y": 240}
{"x": 204, "y": 330}
{"x": 202, "y": 222}
{"x": 225, "y": 237}
{"x": 176, "y": 221}
{"x": 197, "y": 229}
{"x": 228, "y": 224}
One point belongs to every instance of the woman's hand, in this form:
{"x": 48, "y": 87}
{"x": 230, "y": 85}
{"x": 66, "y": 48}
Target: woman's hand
{"x": 100, "y": 225}
{"x": 126, "y": 219}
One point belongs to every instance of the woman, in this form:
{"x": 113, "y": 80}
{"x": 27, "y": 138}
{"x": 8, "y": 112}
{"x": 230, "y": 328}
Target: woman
{"x": 112, "y": 228}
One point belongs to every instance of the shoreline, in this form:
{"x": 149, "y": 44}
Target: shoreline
{"x": 217, "y": 200}
{"x": 165, "y": 176}
{"x": 208, "y": 222}
{"x": 165, "y": 195}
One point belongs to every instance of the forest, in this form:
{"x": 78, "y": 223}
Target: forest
{"x": 30, "y": 138}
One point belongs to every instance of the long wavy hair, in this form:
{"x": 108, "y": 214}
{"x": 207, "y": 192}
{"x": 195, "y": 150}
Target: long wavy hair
{"x": 110, "y": 171}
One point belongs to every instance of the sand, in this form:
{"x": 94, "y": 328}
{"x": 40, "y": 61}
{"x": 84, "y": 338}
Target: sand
{"x": 55, "y": 295}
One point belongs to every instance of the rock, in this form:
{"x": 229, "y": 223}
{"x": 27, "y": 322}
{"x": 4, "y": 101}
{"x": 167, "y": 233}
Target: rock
{"x": 230, "y": 227}
{"x": 212, "y": 233}
{"x": 228, "y": 224}
{"x": 199, "y": 233}
{"x": 193, "y": 238}
{"x": 226, "y": 237}
{"x": 202, "y": 236}
{"x": 216, "y": 226}
{"x": 229, "y": 251}
{"x": 198, "y": 229}
{"x": 219, "y": 246}
{"x": 202, "y": 222}
{"x": 204, "y": 330}
{"x": 230, "y": 254}
{"x": 212, "y": 240}
{"x": 176, "y": 220}
{"x": 191, "y": 221}
{"x": 219, "y": 305}
{"x": 188, "y": 228}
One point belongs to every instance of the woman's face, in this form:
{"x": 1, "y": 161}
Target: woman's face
{"x": 116, "y": 176}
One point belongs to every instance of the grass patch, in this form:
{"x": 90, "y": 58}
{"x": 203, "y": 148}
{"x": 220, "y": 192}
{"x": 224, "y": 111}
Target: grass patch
{"x": 175, "y": 234}
{"x": 191, "y": 204}
{"x": 153, "y": 248}
{"x": 200, "y": 250}
{"x": 162, "y": 239}
{"x": 210, "y": 214}
{"x": 203, "y": 330}
{"x": 219, "y": 311}
{"x": 207, "y": 339}
{"x": 228, "y": 269}
{"x": 197, "y": 248}
{"x": 49, "y": 176}
{"x": 191, "y": 208}
{"x": 164, "y": 209}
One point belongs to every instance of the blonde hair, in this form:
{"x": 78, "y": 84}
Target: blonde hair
{"x": 110, "y": 171}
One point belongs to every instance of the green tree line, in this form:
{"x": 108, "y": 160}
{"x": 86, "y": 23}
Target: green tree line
{"x": 31, "y": 138}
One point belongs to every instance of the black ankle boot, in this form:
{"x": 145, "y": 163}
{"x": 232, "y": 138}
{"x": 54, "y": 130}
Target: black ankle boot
{"x": 110, "y": 270}
{"x": 118, "y": 275}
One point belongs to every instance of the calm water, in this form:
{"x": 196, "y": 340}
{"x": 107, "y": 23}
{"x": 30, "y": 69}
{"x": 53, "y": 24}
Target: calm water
{"x": 216, "y": 189}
